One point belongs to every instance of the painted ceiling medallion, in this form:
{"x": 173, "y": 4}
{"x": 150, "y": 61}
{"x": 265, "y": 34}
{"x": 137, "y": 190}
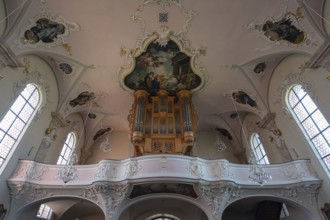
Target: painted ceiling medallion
{"x": 82, "y": 99}
{"x": 260, "y": 68}
{"x": 65, "y": 68}
{"x": 285, "y": 29}
{"x": 47, "y": 30}
{"x": 243, "y": 98}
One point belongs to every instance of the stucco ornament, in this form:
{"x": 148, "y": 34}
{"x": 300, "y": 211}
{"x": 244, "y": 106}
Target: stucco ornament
{"x": 41, "y": 81}
{"x": 113, "y": 195}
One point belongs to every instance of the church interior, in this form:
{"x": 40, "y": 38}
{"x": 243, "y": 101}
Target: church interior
{"x": 164, "y": 110}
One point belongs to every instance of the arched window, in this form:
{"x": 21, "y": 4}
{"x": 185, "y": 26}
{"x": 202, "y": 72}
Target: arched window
{"x": 17, "y": 119}
{"x": 45, "y": 212}
{"x": 311, "y": 120}
{"x": 258, "y": 149}
{"x": 67, "y": 149}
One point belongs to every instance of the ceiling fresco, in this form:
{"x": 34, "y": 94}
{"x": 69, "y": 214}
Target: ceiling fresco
{"x": 162, "y": 67}
{"x": 222, "y": 51}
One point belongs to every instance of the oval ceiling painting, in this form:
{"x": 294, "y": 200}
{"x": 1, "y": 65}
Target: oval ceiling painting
{"x": 162, "y": 67}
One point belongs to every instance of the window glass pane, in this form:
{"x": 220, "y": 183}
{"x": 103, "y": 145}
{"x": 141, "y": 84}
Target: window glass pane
{"x": 7, "y": 121}
{"x": 60, "y": 161}
{"x": 319, "y": 120}
{"x": 18, "y": 104}
{"x": 44, "y": 212}
{"x": 4, "y": 150}
{"x": 309, "y": 104}
{"x": 321, "y": 145}
{"x": 7, "y": 141}
{"x": 34, "y": 99}
{"x": 16, "y": 129}
{"x": 6, "y": 145}
{"x": 293, "y": 99}
{"x": 2, "y": 134}
{"x": 301, "y": 112}
{"x": 67, "y": 155}
{"x": 326, "y": 134}
{"x": 327, "y": 162}
{"x": 26, "y": 93}
{"x": 26, "y": 113}
{"x": 310, "y": 127}
{"x": 299, "y": 92}
{"x": 259, "y": 151}
{"x": 67, "y": 149}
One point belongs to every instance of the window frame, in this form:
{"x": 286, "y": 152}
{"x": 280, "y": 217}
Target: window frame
{"x": 18, "y": 119}
{"x": 256, "y": 145}
{"x": 306, "y": 132}
{"x": 64, "y": 156}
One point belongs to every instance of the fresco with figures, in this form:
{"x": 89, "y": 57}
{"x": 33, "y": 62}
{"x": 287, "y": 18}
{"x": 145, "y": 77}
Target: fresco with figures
{"x": 162, "y": 67}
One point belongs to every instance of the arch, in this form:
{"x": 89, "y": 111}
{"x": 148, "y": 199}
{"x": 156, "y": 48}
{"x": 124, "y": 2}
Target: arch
{"x": 177, "y": 206}
{"x": 17, "y": 119}
{"x": 63, "y": 206}
{"x": 247, "y": 207}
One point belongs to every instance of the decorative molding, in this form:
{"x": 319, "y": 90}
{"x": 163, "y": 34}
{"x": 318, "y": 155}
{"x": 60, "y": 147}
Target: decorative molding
{"x": 176, "y": 166}
{"x": 195, "y": 168}
{"x": 290, "y": 80}
{"x": 322, "y": 57}
{"x": 58, "y": 121}
{"x": 41, "y": 81}
{"x": 303, "y": 193}
{"x": 132, "y": 168}
{"x": 162, "y": 36}
{"x": 91, "y": 194}
{"x": 26, "y": 193}
{"x": 275, "y": 136}
{"x": 113, "y": 195}
{"x": 106, "y": 184}
{"x": 68, "y": 174}
{"x": 190, "y": 14}
{"x": 292, "y": 172}
{"x": 7, "y": 57}
{"x": 217, "y": 195}
{"x": 105, "y": 171}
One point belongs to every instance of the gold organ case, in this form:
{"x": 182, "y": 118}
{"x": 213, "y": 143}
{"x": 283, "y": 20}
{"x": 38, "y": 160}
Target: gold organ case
{"x": 162, "y": 123}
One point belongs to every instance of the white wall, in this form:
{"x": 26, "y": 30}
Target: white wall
{"x": 28, "y": 146}
{"x": 285, "y": 75}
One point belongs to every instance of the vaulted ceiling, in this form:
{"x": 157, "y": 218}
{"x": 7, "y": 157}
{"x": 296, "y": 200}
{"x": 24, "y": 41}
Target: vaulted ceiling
{"x": 234, "y": 46}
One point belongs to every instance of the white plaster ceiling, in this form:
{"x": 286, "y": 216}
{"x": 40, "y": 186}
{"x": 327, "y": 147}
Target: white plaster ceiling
{"x": 102, "y": 28}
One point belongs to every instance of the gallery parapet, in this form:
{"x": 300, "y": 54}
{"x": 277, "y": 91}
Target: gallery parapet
{"x": 161, "y": 166}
